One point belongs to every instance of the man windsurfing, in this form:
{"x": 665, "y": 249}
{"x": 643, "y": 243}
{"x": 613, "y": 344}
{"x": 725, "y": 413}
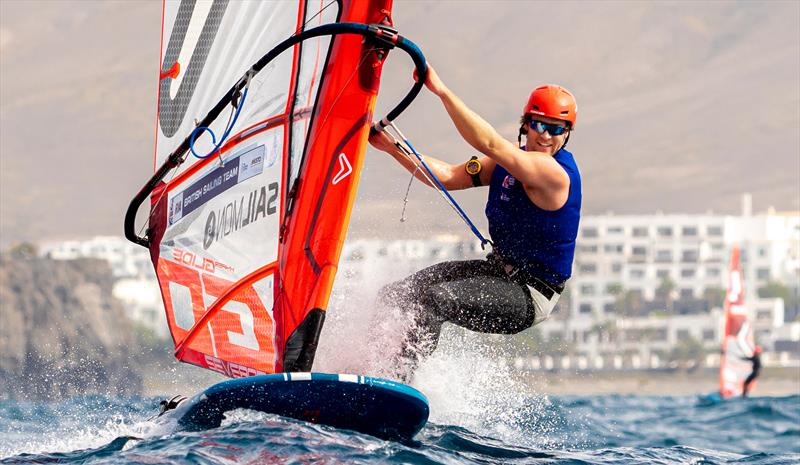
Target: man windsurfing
{"x": 755, "y": 359}
{"x": 533, "y": 212}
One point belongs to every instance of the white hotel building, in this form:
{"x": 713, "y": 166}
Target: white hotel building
{"x": 136, "y": 285}
{"x": 639, "y": 253}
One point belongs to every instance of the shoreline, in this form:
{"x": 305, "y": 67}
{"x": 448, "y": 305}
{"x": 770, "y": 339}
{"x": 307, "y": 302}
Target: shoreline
{"x": 188, "y": 380}
{"x": 777, "y": 382}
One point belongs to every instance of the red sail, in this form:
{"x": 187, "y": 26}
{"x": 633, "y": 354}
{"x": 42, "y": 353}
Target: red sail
{"x": 246, "y": 242}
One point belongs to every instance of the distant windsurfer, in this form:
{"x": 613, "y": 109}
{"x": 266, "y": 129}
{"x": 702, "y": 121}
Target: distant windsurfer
{"x": 533, "y": 212}
{"x": 756, "y": 361}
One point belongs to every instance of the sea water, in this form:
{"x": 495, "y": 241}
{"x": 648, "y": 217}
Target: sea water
{"x": 481, "y": 413}
{"x": 552, "y": 430}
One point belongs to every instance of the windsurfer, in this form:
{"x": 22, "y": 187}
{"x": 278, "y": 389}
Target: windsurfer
{"x": 533, "y": 211}
{"x": 756, "y": 360}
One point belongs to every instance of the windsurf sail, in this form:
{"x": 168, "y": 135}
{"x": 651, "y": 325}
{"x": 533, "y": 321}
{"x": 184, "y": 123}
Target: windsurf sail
{"x": 738, "y": 343}
{"x": 245, "y": 234}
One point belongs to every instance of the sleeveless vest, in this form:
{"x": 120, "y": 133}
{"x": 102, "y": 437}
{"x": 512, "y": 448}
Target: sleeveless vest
{"x": 538, "y": 241}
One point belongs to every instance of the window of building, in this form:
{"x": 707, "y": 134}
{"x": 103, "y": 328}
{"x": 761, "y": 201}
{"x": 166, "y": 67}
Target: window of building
{"x": 687, "y": 293}
{"x": 762, "y": 251}
{"x": 714, "y": 230}
{"x": 636, "y": 273}
{"x": 689, "y": 231}
{"x": 663, "y": 256}
{"x": 687, "y": 273}
{"x": 587, "y": 268}
{"x": 762, "y": 273}
{"x": 640, "y": 231}
{"x": 587, "y": 289}
{"x": 713, "y": 272}
{"x": 587, "y": 248}
{"x": 613, "y": 248}
{"x": 633, "y": 335}
{"x": 585, "y": 308}
{"x": 616, "y": 268}
{"x": 763, "y": 315}
{"x": 664, "y": 231}
{"x": 662, "y": 273}
{"x": 682, "y": 334}
{"x": 689, "y": 256}
{"x": 614, "y": 230}
{"x": 708, "y": 334}
{"x": 609, "y": 308}
{"x": 639, "y": 250}
{"x": 589, "y": 232}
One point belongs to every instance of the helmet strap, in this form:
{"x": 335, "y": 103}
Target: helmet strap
{"x": 569, "y": 133}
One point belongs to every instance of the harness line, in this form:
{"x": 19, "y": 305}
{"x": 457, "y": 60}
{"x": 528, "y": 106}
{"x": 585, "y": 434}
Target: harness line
{"x": 432, "y": 179}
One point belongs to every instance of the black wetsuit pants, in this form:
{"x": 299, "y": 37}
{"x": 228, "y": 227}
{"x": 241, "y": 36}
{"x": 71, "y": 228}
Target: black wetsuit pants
{"x": 753, "y": 375}
{"x": 475, "y": 294}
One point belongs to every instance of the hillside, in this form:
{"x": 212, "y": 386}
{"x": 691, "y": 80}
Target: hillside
{"x": 681, "y": 109}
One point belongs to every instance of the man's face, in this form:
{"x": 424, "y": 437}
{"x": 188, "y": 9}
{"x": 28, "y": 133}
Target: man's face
{"x": 544, "y": 141}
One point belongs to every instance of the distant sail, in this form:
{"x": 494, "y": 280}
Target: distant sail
{"x": 738, "y": 342}
{"x": 246, "y": 243}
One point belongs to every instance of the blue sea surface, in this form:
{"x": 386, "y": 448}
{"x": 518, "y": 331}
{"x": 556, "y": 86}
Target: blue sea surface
{"x": 555, "y": 430}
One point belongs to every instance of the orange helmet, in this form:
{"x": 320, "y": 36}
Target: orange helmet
{"x": 552, "y": 101}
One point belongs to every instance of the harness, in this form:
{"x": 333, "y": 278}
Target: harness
{"x": 519, "y": 275}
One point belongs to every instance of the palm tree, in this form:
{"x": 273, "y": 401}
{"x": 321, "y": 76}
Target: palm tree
{"x": 618, "y": 292}
{"x": 715, "y": 296}
{"x": 665, "y": 289}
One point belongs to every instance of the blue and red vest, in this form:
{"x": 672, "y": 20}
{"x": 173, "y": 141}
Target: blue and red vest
{"x": 540, "y": 242}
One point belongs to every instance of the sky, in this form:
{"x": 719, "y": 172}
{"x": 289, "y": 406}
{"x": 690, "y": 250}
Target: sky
{"x": 680, "y": 109}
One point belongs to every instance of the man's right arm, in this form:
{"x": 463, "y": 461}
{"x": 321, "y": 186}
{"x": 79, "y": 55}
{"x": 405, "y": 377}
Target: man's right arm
{"x": 452, "y": 177}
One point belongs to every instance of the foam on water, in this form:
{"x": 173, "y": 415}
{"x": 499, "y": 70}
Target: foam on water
{"x": 79, "y": 423}
{"x": 359, "y": 336}
{"x": 469, "y": 386}
{"x": 466, "y": 380}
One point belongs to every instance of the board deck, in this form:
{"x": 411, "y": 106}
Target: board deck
{"x": 375, "y": 406}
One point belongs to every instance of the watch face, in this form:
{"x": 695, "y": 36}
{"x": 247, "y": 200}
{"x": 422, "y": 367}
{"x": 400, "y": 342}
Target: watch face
{"x": 473, "y": 167}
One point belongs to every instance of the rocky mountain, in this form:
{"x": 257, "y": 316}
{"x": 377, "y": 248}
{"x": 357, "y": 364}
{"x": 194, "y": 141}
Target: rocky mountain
{"x": 682, "y": 106}
{"x": 61, "y": 331}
